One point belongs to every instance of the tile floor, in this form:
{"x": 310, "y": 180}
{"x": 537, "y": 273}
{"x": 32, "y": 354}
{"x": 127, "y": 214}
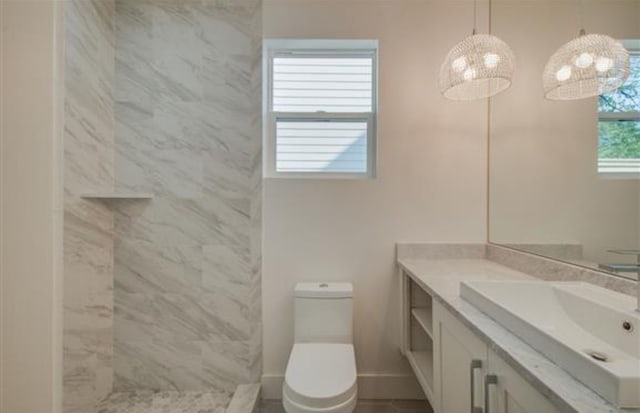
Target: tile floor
{"x": 216, "y": 402}
{"x": 364, "y": 406}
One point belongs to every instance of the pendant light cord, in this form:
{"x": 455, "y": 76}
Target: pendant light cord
{"x": 490, "y": 15}
{"x": 582, "y": 31}
{"x": 475, "y": 15}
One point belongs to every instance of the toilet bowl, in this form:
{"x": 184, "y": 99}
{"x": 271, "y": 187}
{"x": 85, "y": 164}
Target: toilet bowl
{"x": 320, "y": 377}
{"x": 321, "y": 373}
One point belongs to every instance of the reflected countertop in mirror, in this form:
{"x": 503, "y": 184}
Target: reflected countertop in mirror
{"x": 555, "y": 185}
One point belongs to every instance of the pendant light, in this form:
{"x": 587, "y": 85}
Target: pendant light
{"x": 589, "y": 65}
{"x": 478, "y": 67}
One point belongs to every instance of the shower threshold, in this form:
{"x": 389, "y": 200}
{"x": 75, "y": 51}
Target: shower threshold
{"x": 244, "y": 400}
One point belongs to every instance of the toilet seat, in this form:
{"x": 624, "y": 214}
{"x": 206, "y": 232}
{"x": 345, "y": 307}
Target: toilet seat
{"x": 320, "y": 377}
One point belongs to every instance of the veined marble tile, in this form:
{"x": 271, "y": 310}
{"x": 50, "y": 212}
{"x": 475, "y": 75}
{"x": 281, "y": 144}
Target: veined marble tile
{"x": 88, "y": 250}
{"x": 243, "y": 15}
{"x": 255, "y": 345}
{"x": 134, "y": 80}
{"x": 256, "y": 182}
{"x": 188, "y": 129}
{"x": 89, "y": 35}
{"x": 181, "y": 126}
{"x": 92, "y": 314}
{"x": 134, "y": 29}
{"x": 172, "y": 172}
{"x": 227, "y": 183}
{"x": 229, "y": 317}
{"x": 88, "y": 146}
{"x": 246, "y": 399}
{"x": 87, "y": 366}
{"x": 88, "y": 226}
{"x": 135, "y": 319}
{"x": 177, "y": 51}
{"x": 227, "y": 78}
{"x": 229, "y": 149}
{"x": 143, "y": 267}
{"x": 157, "y": 365}
{"x": 78, "y": 388}
{"x": 88, "y": 150}
{"x": 88, "y": 349}
{"x": 226, "y": 363}
{"x": 157, "y": 317}
{"x": 176, "y": 221}
{"x": 222, "y": 35}
{"x": 199, "y": 316}
{"x": 224, "y": 269}
{"x": 163, "y": 127}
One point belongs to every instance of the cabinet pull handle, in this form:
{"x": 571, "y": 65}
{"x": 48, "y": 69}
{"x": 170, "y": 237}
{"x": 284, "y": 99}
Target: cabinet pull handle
{"x": 475, "y": 364}
{"x": 489, "y": 379}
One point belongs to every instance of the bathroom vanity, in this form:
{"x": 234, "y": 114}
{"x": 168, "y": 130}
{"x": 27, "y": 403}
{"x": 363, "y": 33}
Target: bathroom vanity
{"x": 467, "y": 362}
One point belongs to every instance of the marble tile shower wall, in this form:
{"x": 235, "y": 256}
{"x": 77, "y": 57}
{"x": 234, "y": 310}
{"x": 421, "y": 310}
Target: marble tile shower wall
{"x": 88, "y": 226}
{"x": 187, "y": 263}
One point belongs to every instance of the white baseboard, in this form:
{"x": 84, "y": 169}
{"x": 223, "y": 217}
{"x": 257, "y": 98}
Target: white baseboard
{"x": 370, "y": 386}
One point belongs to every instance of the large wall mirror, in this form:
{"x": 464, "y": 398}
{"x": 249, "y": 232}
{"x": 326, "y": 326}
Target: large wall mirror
{"x": 565, "y": 175}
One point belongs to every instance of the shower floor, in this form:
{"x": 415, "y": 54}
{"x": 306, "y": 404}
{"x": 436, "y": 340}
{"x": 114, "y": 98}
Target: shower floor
{"x": 165, "y": 402}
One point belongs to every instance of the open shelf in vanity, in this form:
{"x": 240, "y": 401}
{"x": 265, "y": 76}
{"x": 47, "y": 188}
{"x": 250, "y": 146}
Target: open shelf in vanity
{"x": 417, "y": 333}
{"x": 424, "y": 317}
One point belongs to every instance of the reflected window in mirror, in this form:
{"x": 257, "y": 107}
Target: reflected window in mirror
{"x": 619, "y": 124}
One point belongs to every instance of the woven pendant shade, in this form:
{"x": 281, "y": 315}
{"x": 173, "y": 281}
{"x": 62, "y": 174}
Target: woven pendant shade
{"x": 478, "y": 67}
{"x": 589, "y": 65}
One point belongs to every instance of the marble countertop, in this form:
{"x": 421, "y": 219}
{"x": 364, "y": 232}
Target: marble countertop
{"x": 441, "y": 278}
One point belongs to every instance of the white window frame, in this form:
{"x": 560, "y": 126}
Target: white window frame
{"x": 633, "y": 46}
{"x": 325, "y": 48}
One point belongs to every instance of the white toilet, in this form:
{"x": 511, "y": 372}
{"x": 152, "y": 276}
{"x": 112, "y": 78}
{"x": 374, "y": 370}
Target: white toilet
{"x": 321, "y": 373}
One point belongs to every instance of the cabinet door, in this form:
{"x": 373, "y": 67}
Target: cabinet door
{"x": 459, "y": 360}
{"x": 511, "y": 393}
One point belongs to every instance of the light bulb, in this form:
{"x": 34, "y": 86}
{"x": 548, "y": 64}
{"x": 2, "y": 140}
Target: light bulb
{"x": 603, "y": 64}
{"x": 491, "y": 60}
{"x": 469, "y": 74}
{"x": 564, "y": 73}
{"x": 584, "y": 60}
{"x": 459, "y": 64}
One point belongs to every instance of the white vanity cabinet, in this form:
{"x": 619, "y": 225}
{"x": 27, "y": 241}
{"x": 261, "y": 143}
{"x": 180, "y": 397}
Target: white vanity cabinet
{"x": 510, "y": 393}
{"x": 455, "y": 368}
{"x": 469, "y": 377}
{"x": 460, "y": 362}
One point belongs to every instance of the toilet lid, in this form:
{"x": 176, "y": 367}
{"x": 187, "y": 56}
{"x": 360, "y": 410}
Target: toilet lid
{"x": 321, "y": 374}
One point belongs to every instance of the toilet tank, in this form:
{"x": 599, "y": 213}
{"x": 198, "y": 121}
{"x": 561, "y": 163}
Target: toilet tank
{"x": 323, "y": 313}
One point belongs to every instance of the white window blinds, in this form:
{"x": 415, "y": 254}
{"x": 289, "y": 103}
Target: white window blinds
{"x": 318, "y": 146}
{"x": 311, "y": 84}
{"x": 322, "y": 111}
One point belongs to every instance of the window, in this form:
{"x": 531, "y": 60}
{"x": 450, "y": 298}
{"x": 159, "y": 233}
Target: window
{"x": 619, "y": 124}
{"x": 320, "y": 108}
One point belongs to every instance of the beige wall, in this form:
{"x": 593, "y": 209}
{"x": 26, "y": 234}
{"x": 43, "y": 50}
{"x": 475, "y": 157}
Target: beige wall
{"x": 31, "y": 211}
{"x": 430, "y": 184}
{"x": 544, "y": 186}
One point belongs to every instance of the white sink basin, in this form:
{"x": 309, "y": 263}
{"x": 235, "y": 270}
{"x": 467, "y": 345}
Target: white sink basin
{"x": 574, "y": 324}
